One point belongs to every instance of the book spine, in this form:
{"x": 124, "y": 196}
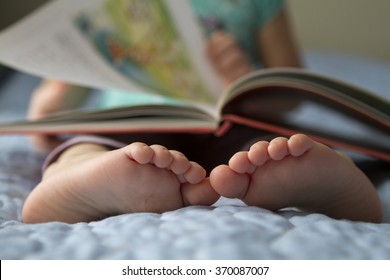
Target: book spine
{"x": 283, "y": 131}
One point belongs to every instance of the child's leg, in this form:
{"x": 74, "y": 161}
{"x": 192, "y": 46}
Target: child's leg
{"x": 298, "y": 172}
{"x": 89, "y": 181}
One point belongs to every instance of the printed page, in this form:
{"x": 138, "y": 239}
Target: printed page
{"x": 134, "y": 45}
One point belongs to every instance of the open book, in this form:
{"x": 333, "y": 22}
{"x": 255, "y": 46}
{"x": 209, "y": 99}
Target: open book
{"x": 87, "y": 45}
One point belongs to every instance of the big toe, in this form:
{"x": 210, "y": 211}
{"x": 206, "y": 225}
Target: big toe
{"x": 228, "y": 183}
{"x": 199, "y": 194}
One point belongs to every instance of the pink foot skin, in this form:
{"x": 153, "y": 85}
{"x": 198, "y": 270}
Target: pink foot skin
{"x": 298, "y": 172}
{"x": 89, "y": 182}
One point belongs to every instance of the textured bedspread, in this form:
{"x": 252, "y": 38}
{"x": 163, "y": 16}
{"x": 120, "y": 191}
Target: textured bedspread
{"x": 228, "y": 230}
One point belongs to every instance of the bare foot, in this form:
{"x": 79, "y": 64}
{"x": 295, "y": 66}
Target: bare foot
{"x": 88, "y": 182}
{"x": 298, "y": 172}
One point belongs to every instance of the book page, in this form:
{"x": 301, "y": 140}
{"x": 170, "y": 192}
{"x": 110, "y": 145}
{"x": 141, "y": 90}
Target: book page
{"x": 133, "y": 45}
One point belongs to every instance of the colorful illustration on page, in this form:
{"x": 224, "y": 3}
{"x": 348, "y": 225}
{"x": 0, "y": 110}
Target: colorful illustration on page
{"x": 138, "y": 38}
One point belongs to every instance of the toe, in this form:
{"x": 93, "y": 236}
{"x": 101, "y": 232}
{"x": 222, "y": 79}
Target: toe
{"x": 228, "y": 183}
{"x": 258, "y": 153}
{"x": 180, "y": 164}
{"x": 298, "y": 144}
{"x": 195, "y": 174}
{"x": 162, "y": 158}
{"x": 278, "y": 148}
{"x": 199, "y": 194}
{"x": 140, "y": 152}
{"x": 240, "y": 163}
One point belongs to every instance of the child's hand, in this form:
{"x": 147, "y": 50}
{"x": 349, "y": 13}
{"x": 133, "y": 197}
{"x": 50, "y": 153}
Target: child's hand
{"x": 226, "y": 56}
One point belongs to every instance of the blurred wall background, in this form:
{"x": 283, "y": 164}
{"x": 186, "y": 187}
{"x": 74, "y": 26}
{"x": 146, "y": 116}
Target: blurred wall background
{"x": 354, "y": 26}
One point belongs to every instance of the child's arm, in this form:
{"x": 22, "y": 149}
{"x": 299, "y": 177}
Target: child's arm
{"x": 276, "y": 43}
{"x": 276, "y": 48}
{"x": 50, "y": 97}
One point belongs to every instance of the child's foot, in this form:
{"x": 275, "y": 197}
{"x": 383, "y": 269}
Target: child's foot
{"x": 298, "y": 172}
{"x": 88, "y": 182}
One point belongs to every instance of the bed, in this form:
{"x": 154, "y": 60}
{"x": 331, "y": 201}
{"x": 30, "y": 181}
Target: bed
{"x": 226, "y": 230}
